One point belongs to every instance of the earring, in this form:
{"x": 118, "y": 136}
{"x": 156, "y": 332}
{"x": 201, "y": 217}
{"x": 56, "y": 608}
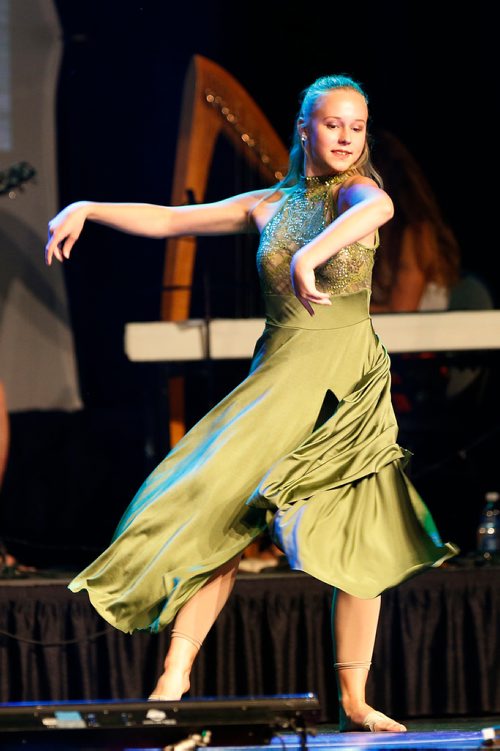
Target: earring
{"x": 303, "y": 138}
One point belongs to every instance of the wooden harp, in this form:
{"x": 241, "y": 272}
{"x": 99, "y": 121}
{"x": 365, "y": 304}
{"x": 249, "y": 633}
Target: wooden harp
{"x": 214, "y": 103}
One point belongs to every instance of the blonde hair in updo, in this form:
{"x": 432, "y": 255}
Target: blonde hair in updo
{"x": 309, "y": 98}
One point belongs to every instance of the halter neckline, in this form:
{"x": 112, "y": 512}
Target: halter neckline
{"x": 313, "y": 181}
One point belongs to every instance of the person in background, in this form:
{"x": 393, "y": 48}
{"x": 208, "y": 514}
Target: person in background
{"x": 9, "y": 565}
{"x": 418, "y": 268}
{"x": 418, "y": 262}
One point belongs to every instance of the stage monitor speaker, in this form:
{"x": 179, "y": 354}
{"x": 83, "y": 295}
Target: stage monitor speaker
{"x": 97, "y": 724}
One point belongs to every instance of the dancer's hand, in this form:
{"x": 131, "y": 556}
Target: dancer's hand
{"x": 304, "y": 285}
{"x": 64, "y": 231}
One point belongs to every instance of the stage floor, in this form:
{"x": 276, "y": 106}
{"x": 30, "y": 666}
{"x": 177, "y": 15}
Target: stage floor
{"x": 440, "y": 737}
{"x": 427, "y": 734}
{"x": 446, "y": 734}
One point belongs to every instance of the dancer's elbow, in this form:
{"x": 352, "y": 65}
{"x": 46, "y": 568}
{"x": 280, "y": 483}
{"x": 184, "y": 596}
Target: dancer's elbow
{"x": 386, "y": 208}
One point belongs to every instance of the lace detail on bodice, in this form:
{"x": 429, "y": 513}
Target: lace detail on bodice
{"x": 307, "y": 211}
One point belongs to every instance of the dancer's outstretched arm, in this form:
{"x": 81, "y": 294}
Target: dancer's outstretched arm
{"x": 230, "y": 216}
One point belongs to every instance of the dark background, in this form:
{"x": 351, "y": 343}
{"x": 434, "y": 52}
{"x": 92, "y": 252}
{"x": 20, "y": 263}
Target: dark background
{"x": 430, "y": 81}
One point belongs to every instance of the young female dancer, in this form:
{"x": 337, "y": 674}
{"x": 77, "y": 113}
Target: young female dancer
{"x": 306, "y": 444}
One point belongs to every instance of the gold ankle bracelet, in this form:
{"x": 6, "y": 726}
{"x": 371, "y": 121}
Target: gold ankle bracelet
{"x": 180, "y": 635}
{"x": 353, "y": 664}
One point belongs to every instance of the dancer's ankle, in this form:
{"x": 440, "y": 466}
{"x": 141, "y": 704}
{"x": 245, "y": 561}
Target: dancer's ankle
{"x": 353, "y": 706}
{"x": 174, "y": 666}
{"x": 182, "y": 652}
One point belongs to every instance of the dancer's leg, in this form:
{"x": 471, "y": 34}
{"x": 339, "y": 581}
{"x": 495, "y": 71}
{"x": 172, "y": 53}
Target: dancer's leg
{"x": 354, "y": 626}
{"x": 193, "y": 622}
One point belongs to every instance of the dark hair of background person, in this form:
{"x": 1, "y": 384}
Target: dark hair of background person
{"x": 417, "y": 228}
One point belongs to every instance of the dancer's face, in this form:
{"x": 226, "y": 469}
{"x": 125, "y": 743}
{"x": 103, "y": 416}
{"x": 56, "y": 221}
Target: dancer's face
{"x": 335, "y": 132}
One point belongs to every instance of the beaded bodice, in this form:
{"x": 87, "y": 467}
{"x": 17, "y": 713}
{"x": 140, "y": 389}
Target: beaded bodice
{"x": 306, "y": 212}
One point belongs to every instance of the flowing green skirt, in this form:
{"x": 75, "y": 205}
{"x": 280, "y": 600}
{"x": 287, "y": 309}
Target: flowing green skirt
{"x": 307, "y": 446}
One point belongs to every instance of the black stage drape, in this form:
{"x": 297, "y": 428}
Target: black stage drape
{"x": 437, "y": 651}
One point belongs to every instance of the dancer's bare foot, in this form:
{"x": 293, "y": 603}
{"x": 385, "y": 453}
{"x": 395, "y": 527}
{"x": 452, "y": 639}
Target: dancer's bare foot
{"x": 171, "y": 685}
{"x": 360, "y": 716}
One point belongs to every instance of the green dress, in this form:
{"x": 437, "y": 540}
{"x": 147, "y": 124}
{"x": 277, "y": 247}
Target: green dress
{"x": 306, "y": 445}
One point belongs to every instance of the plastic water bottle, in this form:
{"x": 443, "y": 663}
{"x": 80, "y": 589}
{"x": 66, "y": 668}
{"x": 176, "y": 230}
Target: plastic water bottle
{"x": 488, "y": 531}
